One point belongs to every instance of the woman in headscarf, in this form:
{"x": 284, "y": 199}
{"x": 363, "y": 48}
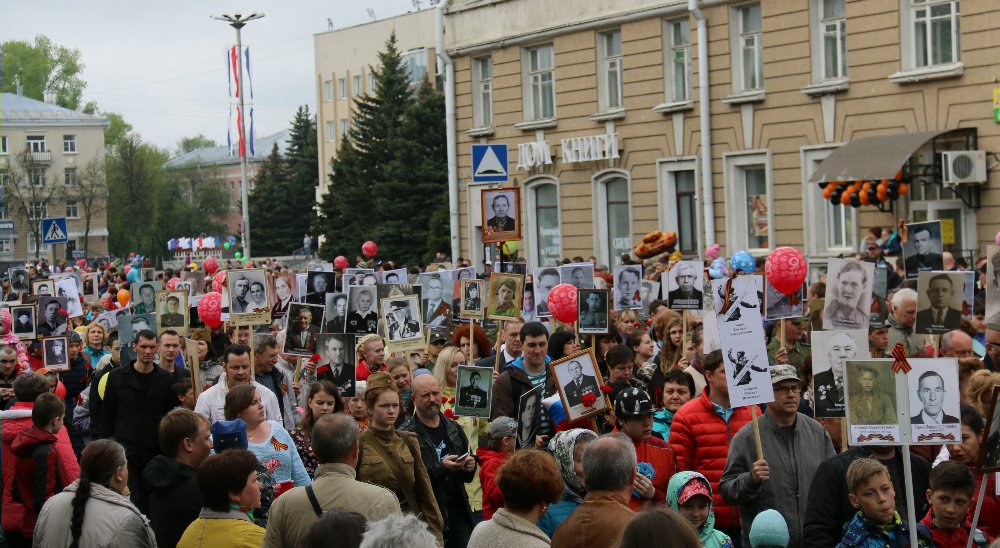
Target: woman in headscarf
{"x": 567, "y": 447}
{"x": 690, "y": 494}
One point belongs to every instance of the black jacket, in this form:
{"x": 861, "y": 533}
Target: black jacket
{"x": 828, "y": 508}
{"x": 131, "y": 417}
{"x": 96, "y": 403}
{"x": 175, "y": 500}
{"x": 456, "y": 444}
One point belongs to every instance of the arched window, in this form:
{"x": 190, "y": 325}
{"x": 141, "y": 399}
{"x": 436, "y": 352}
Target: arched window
{"x": 544, "y": 233}
{"x": 614, "y": 218}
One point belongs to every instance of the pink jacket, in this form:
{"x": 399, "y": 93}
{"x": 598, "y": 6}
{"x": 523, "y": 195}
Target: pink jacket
{"x": 12, "y": 421}
{"x": 9, "y": 338}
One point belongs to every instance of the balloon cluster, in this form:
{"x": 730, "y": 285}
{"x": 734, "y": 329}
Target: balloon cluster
{"x": 859, "y": 193}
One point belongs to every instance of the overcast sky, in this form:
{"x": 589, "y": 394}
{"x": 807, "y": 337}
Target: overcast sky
{"x": 160, "y": 63}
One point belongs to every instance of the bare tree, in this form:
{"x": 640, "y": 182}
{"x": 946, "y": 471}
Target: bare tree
{"x": 28, "y": 191}
{"x": 90, "y": 191}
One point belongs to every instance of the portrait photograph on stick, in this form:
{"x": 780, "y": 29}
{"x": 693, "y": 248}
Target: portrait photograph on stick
{"x": 923, "y": 249}
{"x": 336, "y": 362}
{"x": 593, "y": 312}
{"x": 579, "y": 382}
{"x": 54, "y": 354}
{"x": 870, "y": 390}
{"x": 939, "y": 302}
{"x": 131, "y": 324}
{"x": 43, "y": 288}
{"x": 318, "y": 284}
{"x": 628, "y": 283}
{"x": 501, "y": 214}
{"x": 543, "y": 280}
{"x": 362, "y": 319}
{"x": 529, "y": 411}
{"x": 402, "y": 321}
{"x": 336, "y": 312}
{"x": 52, "y": 316}
{"x": 831, "y": 352}
{"x": 282, "y": 294}
{"x": 303, "y": 324}
{"x": 144, "y": 298}
{"x": 23, "y": 321}
{"x": 473, "y": 303}
{"x": 248, "y": 299}
{"x": 474, "y": 388}
{"x": 934, "y": 400}
{"x": 848, "y": 294}
{"x": 505, "y": 296}
{"x": 993, "y": 287}
{"x": 580, "y": 275}
{"x": 684, "y": 285}
{"x": 20, "y": 282}
{"x": 171, "y": 313}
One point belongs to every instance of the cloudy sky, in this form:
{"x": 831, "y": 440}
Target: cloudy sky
{"x": 160, "y": 63}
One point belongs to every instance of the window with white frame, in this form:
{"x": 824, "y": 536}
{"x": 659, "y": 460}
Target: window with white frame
{"x": 345, "y": 126}
{"x": 935, "y": 32}
{"x": 748, "y": 50}
{"x": 678, "y": 201}
{"x": 830, "y": 25}
{"x": 69, "y": 144}
{"x": 545, "y": 241}
{"x": 677, "y": 45}
{"x": 328, "y": 90}
{"x": 36, "y": 143}
{"x": 6, "y": 246}
{"x": 342, "y": 84}
{"x": 39, "y": 209}
{"x": 3, "y": 144}
{"x": 831, "y": 229}
{"x": 614, "y": 219}
{"x": 415, "y": 65}
{"x": 371, "y": 83}
{"x": 36, "y": 176}
{"x": 331, "y": 135}
{"x": 539, "y": 82}
{"x": 70, "y": 177}
{"x": 482, "y": 86}
{"x": 356, "y": 80}
{"x": 72, "y": 209}
{"x": 748, "y": 189}
{"x": 609, "y": 69}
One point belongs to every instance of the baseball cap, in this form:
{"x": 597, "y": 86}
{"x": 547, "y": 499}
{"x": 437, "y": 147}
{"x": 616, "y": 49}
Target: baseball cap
{"x": 501, "y": 427}
{"x": 633, "y": 402}
{"x": 229, "y": 435}
{"x": 693, "y": 487}
{"x": 783, "y": 372}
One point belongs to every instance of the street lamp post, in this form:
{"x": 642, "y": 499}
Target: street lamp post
{"x": 238, "y": 21}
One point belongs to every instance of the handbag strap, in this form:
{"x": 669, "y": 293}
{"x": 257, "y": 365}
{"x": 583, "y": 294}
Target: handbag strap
{"x": 313, "y": 501}
{"x": 393, "y": 463}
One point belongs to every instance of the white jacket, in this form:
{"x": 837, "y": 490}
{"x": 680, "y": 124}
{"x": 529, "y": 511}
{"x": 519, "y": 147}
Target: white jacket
{"x": 109, "y": 519}
{"x": 212, "y": 402}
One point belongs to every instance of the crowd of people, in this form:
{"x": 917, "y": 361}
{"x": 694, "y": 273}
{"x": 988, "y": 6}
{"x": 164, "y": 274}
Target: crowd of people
{"x": 122, "y": 449}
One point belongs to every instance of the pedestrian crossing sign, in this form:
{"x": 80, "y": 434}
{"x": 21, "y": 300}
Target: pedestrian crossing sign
{"x": 54, "y": 231}
{"x": 489, "y": 164}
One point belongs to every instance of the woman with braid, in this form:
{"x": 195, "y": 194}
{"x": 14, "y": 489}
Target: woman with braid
{"x": 95, "y": 509}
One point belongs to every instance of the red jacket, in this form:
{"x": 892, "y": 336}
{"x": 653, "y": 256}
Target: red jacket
{"x": 660, "y": 455}
{"x": 362, "y": 372}
{"x": 700, "y": 439}
{"x": 36, "y": 475}
{"x": 12, "y": 421}
{"x": 950, "y": 538}
{"x": 989, "y": 516}
{"x": 489, "y": 463}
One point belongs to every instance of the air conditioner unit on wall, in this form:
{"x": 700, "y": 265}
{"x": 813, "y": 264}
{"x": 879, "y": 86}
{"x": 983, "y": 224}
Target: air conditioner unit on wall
{"x": 963, "y": 167}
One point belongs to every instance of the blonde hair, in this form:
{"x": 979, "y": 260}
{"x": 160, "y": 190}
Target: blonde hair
{"x": 443, "y": 362}
{"x": 92, "y": 325}
{"x": 361, "y": 350}
{"x": 980, "y": 389}
{"x": 862, "y": 470}
{"x": 627, "y": 315}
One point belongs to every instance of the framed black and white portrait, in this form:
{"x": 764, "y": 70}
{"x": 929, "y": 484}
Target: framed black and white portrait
{"x": 684, "y": 286}
{"x": 392, "y": 277}
{"x": 872, "y": 404}
{"x": 402, "y": 319}
{"x": 55, "y": 354}
{"x": 934, "y": 400}
{"x": 302, "y": 325}
{"x": 437, "y": 300}
{"x": 52, "y": 316}
{"x": 336, "y": 362}
{"x": 318, "y": 284}
{"x": 939, "y": 302}
{"x": 505, "y": 296}
{"x": 579, "y": 275}
{"x": 593, "y": 311}
{"x": 362, "y": 317}
{"x": 336, "y": 313}
{"x": 20, "y": 282}
{"x": 67, "y": 288}
{"x": 923, "y": 248}
{"x": 144, "y": 298}
{"x": 171, "y": 311}
{"x": 628, "y": 285}
{"x": 579, "y": 382}
{"x": 43, "y": 288}
{"x": 129, "y": 325}
{"x": 90, "y": 287}
{"x": 543, "y": 280}
{"x": 649, "y": 291}
{"x": 197, "y": 280}
{"x": 248, "y": 297}
{"x": 474, "y": 388}
{"x": 501, "y": 214}
{"x": 23, "y": 321}
{"x": 848, "y": 294}
{"x": 473, "y": 299}
{"x": 831, "y": 352}
{"x": 529, "y": 412}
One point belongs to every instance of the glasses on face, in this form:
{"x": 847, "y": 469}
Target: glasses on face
{"x": 788, "y": 389}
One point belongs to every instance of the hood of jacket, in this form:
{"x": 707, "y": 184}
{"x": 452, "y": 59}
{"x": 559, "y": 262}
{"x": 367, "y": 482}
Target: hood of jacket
{"x": 27, "y": 439}
{"x": 484, "y": 454}
{"x": 164, "y": 473}
{"x": 15, "y": 419}
{"x": 674, "y": 488}
{"x": 519, "y": 363}
{"x": 7, "y": 320}
{"x": 893, "y": 323}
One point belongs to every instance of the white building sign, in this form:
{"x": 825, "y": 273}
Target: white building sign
{"x": 590, "y": 148}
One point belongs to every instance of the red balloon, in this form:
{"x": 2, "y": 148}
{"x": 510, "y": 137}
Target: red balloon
{"x": 210, "y": 309}
{"x": 340, "y": 262}
{"x": 210, "y": 265}
{"x": 172, "y": 283}
{"x": 369, "y": 248}
{"x": 60, "y": 389}
{"x": 219, "y": 281}
{"x": 562, "y": 303}
{"x": 786, "y": 269}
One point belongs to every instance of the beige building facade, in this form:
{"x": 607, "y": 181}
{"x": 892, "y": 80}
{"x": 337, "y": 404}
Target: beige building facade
{"x": 59, "y": 143}
{"x": 601, "y": 110}
{"x": 345, "y": 59}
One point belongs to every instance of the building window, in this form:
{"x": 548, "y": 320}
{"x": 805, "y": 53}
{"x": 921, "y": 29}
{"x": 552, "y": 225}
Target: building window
{"x": 72, "y": 209}
{"x": 415, "y": 65}
{"x": 545, "y": 241}
{"x": 36, "y": 143}
{"x": 935, "y": 32}
{"x": 36, "y": 176}
{"x": 70, "y": 176}
{"x": 609, "y": 69}
{"x": 539, "y": 83}
{"x": 69, "y": 144}
{"x": 328, "y": 90}
{"x": 677, "y": 38}
{"x": 330, "y": 134}
{"x": 371, "y": 83}
{"x": 833, "y": 230}
{"x": 357, "y": 85}
{"x": 39, "y": 210}
{"x": 342, "y": 84}
{"x": 614, "y": 220}
{"x": 6, "y": 246}
{"x": 748, "y": 50}
{"x": 679, "y": 203}
{"x": 832, "y": 39}
{"x": 345, "y": 126}
{"x": 686, "y": 212}
{"x": 482, "y": 85}
{"x": 748, "y": 187}
{"x": 3, "y": 144}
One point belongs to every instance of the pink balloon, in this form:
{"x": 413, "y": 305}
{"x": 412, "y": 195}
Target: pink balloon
{"x": 340, "y": 262}
{"x": 172, "y": 283}
{"x": 210, "y": 265}
{"x": 786, "y": 269}
{"x": 562, "y": 303}
{"x": 369, "y": 248}
{"x": 219, "y": 281}
{"x": 210, "y": 309}
{"x": 128, "y": 268}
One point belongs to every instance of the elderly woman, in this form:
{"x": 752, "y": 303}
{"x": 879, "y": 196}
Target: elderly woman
{"x": 323, "y": 399}
{"x": 530, "y": 482}
{"x": 567, "y": 447}
{"x": 268, "y": 440}
{"x": 230, "y": 491}
{"x": 391, "y": 458}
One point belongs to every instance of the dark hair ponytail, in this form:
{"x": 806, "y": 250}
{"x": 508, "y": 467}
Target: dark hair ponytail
{"x": 98, "y": 464}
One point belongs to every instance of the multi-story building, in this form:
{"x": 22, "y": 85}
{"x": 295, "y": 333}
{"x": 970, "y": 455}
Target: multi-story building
{"x": 221, "y": 165}
{"x": 49, "y": 149}
{"x": 345, "y": 63}
{"x": 713, "y": 118}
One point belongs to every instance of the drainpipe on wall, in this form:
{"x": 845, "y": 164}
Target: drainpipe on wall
{"x": 444, "y": 61}
{"x": 704, "y": 113}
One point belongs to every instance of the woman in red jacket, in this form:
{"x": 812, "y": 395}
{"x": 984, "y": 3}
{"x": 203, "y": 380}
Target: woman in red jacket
{"x": 502, "y": 442}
